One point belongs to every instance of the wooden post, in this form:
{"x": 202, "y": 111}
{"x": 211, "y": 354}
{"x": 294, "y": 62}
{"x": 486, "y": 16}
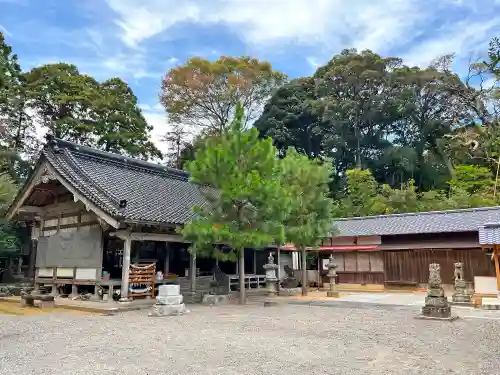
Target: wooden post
{"x": 192, "y": 272}
{"x": 497, "y": 267}
{"x": 241, "y": 274}
{"x": 278, "y": 260}
{"x": 125, "y": 269}
{"x": 167, "y": 260}
{"x": 319, "y": 269}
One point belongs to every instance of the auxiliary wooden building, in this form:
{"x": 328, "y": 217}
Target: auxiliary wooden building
{"x": 397, "y": 249}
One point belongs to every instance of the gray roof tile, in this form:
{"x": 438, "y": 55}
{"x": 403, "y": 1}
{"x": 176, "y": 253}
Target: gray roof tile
{"x": 489, "y": 234}
{"x": 154, "y": 193}
{"x": 415, "y": 223}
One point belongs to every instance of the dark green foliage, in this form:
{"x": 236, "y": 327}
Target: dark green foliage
{"x": 246, "y": 203}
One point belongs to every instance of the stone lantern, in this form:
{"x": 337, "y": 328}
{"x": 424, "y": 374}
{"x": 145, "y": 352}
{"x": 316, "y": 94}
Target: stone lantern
{"x": 271, "y": 278}
{"x": 332, "y": 275}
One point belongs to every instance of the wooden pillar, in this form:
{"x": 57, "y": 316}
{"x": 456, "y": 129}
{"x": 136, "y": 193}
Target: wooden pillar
{"x": 166, "y": 269}
{"x": 278, "y": 260}
{"x": 192, "y": 272}
{"x": 497, "y": 267}
{"x": 125, "y": 269}
{"x": 319, "y": 269}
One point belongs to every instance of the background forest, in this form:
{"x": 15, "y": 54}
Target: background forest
{"x": 399, "y": 138}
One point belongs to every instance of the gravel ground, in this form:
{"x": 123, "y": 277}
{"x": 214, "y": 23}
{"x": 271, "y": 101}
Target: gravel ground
{"x": 249, "y": 340}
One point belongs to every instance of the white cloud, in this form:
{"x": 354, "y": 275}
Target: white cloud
{"x": 465, "y": 39}
{"x": 333, "y": 23}
{"x": 5, "y": 31}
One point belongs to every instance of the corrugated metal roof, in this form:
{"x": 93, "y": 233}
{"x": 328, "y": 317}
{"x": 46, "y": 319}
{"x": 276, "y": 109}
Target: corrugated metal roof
{"x": 463, "y": 220}
{"x": 489, "y": 234}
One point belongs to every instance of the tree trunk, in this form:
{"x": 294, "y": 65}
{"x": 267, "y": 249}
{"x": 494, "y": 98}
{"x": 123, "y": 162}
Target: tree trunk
{"x": 304, "y": 272}
{"x": 241, "y": 271}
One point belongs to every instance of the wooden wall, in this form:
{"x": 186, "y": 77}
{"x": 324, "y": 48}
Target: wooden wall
{"x": 413, "y": 265}
{"x": 359, "y": 267}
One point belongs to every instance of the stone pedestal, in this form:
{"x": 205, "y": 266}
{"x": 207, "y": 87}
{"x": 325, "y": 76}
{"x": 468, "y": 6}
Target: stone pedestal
{"x": 169, "y": 301}
{"x": 332, "y": 275}
{"x": 436, "y": 304}
{"x": 462, "y": 295}
{"x": 271, "y": 279}
{"x": 215, "y": 299}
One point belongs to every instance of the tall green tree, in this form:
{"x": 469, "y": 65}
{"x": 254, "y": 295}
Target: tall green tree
{"x": 205, "y": 94}
{"x": 75, "y": 107}
{"x": 356, "y": 92}
{"x": 179, "y": 146}
{"x": 120, "y": 126}
{"x": 245, "y": 202}
{"x": 9, "y": 239}
{"x": 62, "y": 99}
{"x": 291, "y": 119}
{"x": 17, "y": 135}
{"x": 311, "y": 210}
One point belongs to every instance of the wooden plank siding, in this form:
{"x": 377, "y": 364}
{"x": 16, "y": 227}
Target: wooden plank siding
{"x": 413, "y": 265}
{"x": 358, "y": 267}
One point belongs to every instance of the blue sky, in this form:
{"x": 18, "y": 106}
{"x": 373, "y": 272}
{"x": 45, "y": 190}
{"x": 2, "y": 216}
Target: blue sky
{"x": 139, "y": 40}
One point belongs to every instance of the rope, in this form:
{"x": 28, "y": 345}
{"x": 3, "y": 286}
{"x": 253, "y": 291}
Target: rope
{"x": 142, "y": 267}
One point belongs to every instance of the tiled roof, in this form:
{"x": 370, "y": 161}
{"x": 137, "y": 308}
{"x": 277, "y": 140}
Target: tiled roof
{"x": 462, "y": 220}
{"x": 489, "y": 234}
{"x": 153, "y": 193}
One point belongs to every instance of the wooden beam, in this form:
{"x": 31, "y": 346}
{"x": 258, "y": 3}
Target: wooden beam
{"x": 31, "y": 209}
{"x": 137, "y": 236}
{"x": 497, "y": 266}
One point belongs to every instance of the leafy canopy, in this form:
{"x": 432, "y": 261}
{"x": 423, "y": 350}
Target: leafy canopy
{"x": 245, "y": 201}
{"x": 311, "y": 210}
{"x": 206, "y": 94}
{"x": 9, "y": 240}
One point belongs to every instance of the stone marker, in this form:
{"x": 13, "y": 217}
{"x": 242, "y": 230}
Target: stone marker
{"x": 332, "y": 274}
{"x": 436, "y": 304}
{"x": 168, "y": 301}
{"x": 462, "y": 295}
{"x": 271, "y": 278}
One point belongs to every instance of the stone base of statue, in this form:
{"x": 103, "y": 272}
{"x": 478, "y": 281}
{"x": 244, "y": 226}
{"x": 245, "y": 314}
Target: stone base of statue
{"x": 271, "y": 288}
{"x": 461, "y": 296}
{"x": 215, "y": 299}
{"x": 290, "y": 292}
{"x": 168, "y": 302}
{"x": 436, "y": 304}
{"x": 333, "y": 294}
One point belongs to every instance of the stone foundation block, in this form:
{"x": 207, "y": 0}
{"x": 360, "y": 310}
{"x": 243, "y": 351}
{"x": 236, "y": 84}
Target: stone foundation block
{"x": 435, "y": 292}
{"x": 168, "y": 310}
{"x": 169, "y": 300}
{"x": 290, "y": 292}
{"x": 332, "y": 294}
{"x": 436, "y": 301}
{"x": 44, "y": 304}
{"x": 215, "y": 299}
{"x": 169, "y": 290}
{"x": 436, "y": 312}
